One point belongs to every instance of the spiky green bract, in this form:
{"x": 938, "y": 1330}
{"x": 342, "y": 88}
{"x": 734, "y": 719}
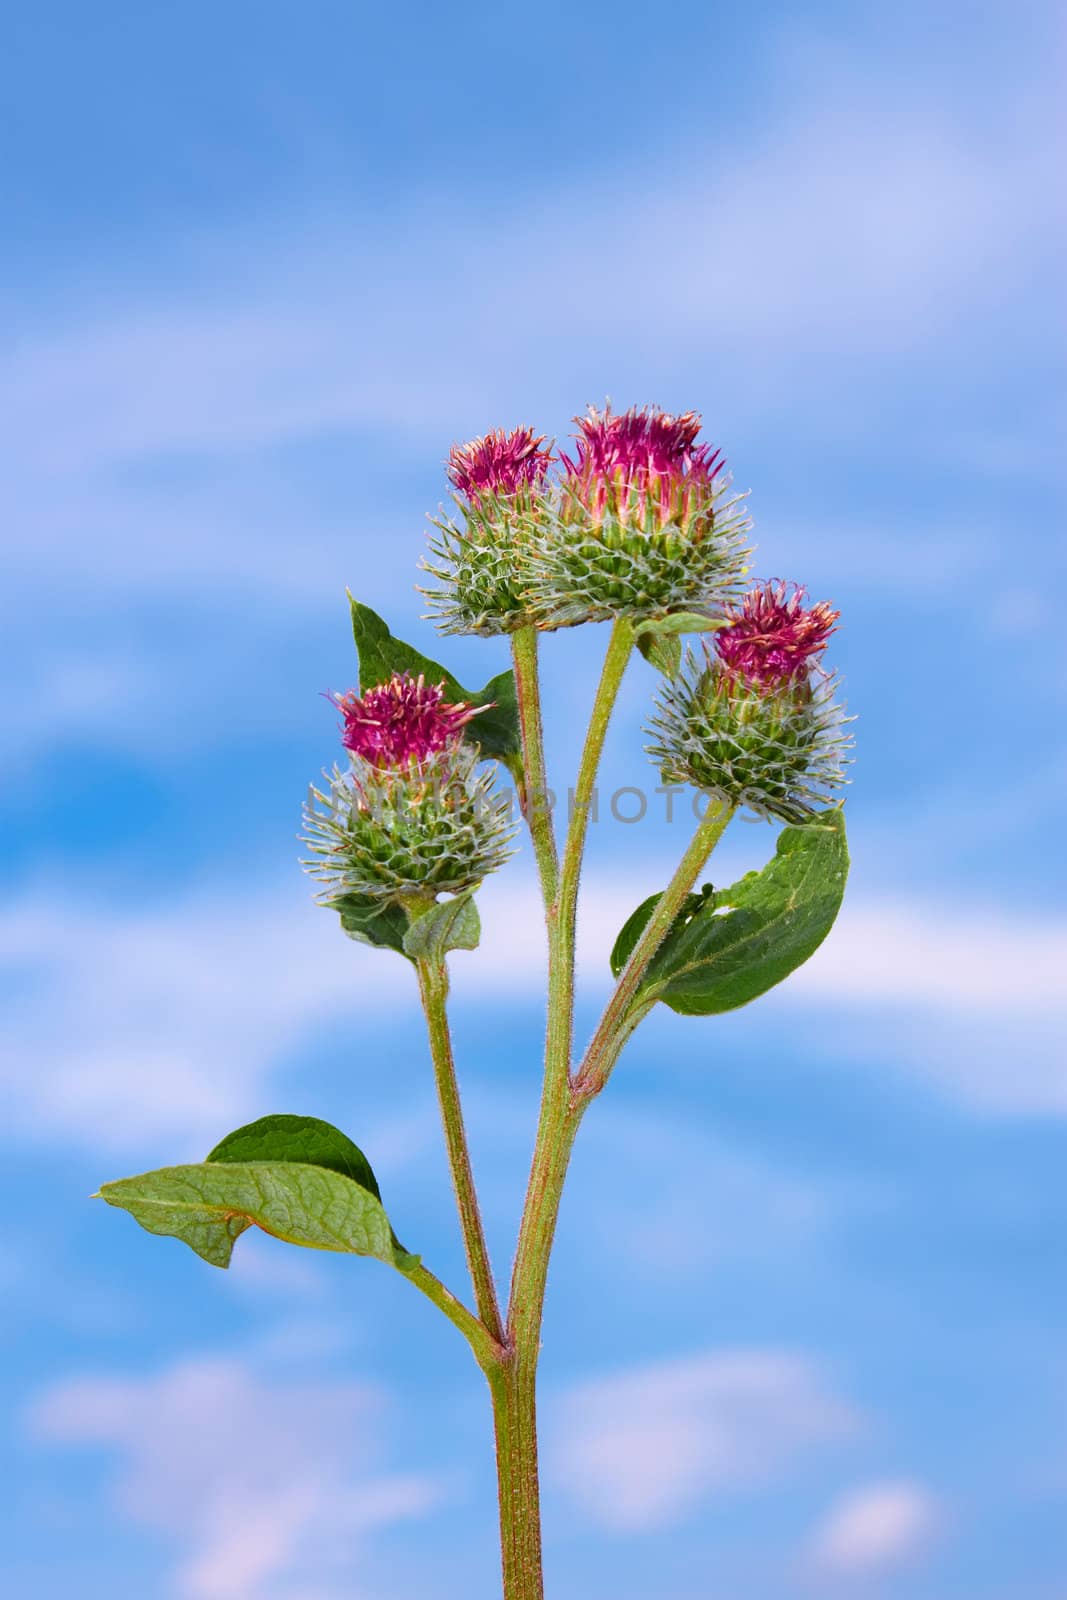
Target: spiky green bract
{"x": 437, "y": 826}
{"x": 778, "y": 749}
{"x": 477, "y": 562}
{"x": 584, "y": 565}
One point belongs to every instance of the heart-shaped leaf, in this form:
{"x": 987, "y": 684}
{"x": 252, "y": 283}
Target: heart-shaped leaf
{"x": 295, "y": 1177}
{"x": 495, "y": 731}
{"x": 729, "y": 946}
{"x": 449, "y": 925}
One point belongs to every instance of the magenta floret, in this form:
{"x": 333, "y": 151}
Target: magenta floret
{"x": 771, "y": 638}
{"x": 402, "y": 721}
{"x": 499, "y": 463}
{"x": 639, "y": 458}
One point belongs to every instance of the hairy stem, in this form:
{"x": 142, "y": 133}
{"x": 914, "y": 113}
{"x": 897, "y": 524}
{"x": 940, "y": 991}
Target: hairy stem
{"x": 623, "y": 1012}
{"x": 620, "y": 647}
{"x": 515, "y": 1426}
{"x": 563, "y": 924}
{"x": 535, "y": 797}
{"x": 559, "y": 1117}
{"x": 514, "y": 1384}
{"x": 514, "y": 1391}
{"x": 433, "y": 988}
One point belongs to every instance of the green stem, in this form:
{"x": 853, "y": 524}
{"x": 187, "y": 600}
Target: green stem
{"x": 623, "y": 1012}
{"x": 433, "y": 988}
{"x": 513, "y": 1379}
{"x": 534, "y": 796}
{"x": 620, "y": 647}
{"x": 558, "y": 1122}
{"x": 563, "y": 924}
{"x": 514, "y": 1388}
{"x": 515, "y": 1426}
{"x": 561, "y": 1116}
{"x": 514, "y": 1384}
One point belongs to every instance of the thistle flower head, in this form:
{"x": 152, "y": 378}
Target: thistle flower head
{"x": 499, "y": 463}
{"x": 771, "y": 638}
{"x": 499, "y": 482}
{"x": 754, "y": 721}
{"x": 414, "y": 813}
{"x": 639, "y": 460}
{"x": 644, "y": 523}
{"x": 400, "y": 722}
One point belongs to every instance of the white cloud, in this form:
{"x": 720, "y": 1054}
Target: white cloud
{"x": 260, "y": 1482}
{"x": 168, "y": 1021}
{"x": 973, "y": 1000}
{"x": 875, "y": 1529}
{"x": 161, "y": 1018}
{"x": 945, "y": 958}
{"x": 141, "y": 429}
{"x": 855, "y": 231}
{"x": 840, "y": 231}
{"x": 642, "y": 1449}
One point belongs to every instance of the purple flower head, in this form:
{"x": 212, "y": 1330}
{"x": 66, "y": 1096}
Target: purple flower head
{"x": 639, "y": 459}
{"x": 401, "y": 721}
{"x": 499, "y": 463}
{"x": 771, "y": 639}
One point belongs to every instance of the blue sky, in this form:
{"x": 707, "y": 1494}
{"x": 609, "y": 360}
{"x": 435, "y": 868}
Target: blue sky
{"x": 263, "y": 265}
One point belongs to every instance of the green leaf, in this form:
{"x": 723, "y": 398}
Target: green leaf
{"x": 663, "y": 650}
{"x": 683, "y": 622}
{"x": 634, "y": 926}
{"x": 448, "y": 925}
{"x": 660, "y": 638}
{"x": 295, "y": 1177}
{"x": 729, "y": 946}
{"x": 366, "y": 919}
{"x": 495, "y": 731}
{"x": 307, "y": 1139}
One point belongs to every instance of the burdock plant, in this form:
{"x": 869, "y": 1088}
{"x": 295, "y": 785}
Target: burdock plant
{"x": 636, "y": 526}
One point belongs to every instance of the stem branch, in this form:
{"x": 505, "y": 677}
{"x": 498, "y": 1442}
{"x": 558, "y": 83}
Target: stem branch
{"x": 559, "y": 1118}
{"x": 514, "y": 1385}
{"x": 621, "y": 1014}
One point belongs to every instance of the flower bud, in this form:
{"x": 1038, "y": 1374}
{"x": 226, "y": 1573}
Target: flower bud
{"x": 498, "y": 482}
{"x": 413, "y": 816}
{"x": 753, "y": 721}
{"x": 644, "y": 524}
